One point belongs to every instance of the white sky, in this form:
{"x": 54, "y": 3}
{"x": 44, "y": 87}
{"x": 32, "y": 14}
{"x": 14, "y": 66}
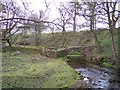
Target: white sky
{"x": 37, "y": 5}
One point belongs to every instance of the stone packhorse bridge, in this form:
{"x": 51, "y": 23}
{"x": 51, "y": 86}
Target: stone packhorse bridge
{"x": 85, "y": 50}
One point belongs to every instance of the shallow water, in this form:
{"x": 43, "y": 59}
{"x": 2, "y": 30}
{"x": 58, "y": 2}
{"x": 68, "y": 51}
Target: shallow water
{"x": 98, "y": 78}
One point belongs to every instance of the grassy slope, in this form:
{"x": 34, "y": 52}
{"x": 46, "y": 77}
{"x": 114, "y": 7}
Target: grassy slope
{"x": 84, "y": 38}
{"x": 105, "y": 40}
{"x": 35, "y": 71}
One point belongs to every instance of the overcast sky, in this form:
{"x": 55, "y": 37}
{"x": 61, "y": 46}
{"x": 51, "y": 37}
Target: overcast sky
{"x": 37, "y": 5}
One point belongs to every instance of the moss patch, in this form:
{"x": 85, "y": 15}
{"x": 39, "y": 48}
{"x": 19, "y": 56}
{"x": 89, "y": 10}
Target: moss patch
{"x": 109, "y": 65}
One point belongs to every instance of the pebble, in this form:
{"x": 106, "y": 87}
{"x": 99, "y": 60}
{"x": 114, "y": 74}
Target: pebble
{"x": 104, "y": 75}
{"x": 99, "y": 81}
{"x": 95, "y": 84}
{"x": 112, "y": 80}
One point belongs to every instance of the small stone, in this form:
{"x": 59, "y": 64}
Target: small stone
{"x": 112, "y": 80}
{"x": 102, "y": 78}
{"x": 104, "y": 75}
{"x": 104, "y": 86}
{"x": 95, "y": 84}
{"x": 99, "y": 81}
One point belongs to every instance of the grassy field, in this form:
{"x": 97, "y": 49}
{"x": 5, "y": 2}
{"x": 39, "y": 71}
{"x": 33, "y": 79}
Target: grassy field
{"x": 35, "y": 71}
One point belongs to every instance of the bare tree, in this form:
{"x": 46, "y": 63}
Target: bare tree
{"x": 63, "y": 22}
{"x": 112, "y": 15}
{"x": 9, "y": 10}
{"x": 38, "y": 26}
{"x": 90, "y": 10}
{"x": 74, "y": 8}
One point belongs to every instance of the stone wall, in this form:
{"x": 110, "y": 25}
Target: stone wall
{"x": 47, "y": 52}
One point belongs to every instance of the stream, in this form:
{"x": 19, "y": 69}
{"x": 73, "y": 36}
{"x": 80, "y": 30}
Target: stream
{"x": 97, "y": 77}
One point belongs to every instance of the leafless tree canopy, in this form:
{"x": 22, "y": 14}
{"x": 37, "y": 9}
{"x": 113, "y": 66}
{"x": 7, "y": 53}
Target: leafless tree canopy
{"x": 14, "y": 19}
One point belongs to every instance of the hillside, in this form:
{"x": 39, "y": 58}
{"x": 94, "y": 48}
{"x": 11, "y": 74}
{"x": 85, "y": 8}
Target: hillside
{"x": 82, "y": 38}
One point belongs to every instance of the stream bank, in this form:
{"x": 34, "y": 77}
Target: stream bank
{"x": 98, "y": 77}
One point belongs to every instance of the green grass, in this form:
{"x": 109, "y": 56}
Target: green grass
{"x": 35, "y": 71}
{"x": 23, "y": 49}
{"x": 109, "y": 65}
{"x": 105, "y": 39}
{"x": 75, "y": 57}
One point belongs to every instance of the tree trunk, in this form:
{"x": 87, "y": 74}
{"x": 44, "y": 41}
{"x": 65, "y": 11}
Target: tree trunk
{"x": 36, "y": 38}
{"x": 3, "y": 37}
{"x": 114, "y": 51}
{"x": 8, "y": 41}
{"x": 64, "y": 37}
{"x": 93, "y": 26}
{"x": 111, "y": 28}
{"x": 53, "y": 37}
{"x": 95, "y": 36}
{"x": 74, "y": 19}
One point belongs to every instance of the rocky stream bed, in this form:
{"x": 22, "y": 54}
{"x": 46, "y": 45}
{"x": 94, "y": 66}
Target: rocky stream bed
{"x": 96, "y": 77}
